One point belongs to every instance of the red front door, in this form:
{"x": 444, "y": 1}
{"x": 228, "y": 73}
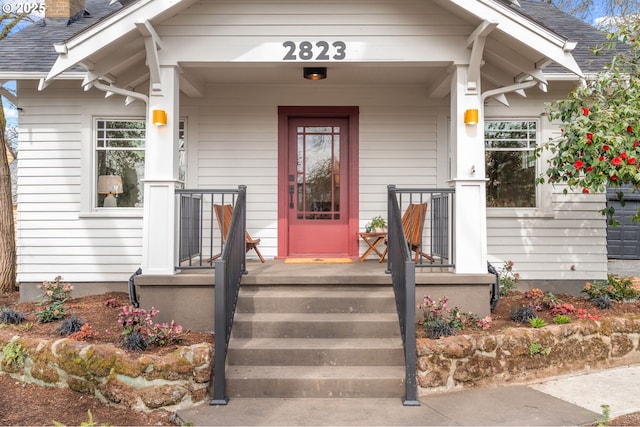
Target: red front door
{"x": 318, "y": 214}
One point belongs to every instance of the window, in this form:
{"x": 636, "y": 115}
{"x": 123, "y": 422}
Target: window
{"x": 120, "y": 162}
{"x": 510, "y": 163}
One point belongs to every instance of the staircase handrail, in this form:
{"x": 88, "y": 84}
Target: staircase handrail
{"x": 403, "y": 273}
{"x": 229, "y": 269}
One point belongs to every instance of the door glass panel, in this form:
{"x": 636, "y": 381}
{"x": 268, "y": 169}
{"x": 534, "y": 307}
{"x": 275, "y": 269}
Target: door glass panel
{"x": 318, "y": 173}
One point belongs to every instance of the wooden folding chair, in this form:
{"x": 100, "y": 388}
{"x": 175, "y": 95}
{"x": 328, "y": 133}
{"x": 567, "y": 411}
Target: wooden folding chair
{"x": 224, "y": 229}
{"x": 412, "y": 226}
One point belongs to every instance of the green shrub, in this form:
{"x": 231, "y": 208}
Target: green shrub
{"x": 13, "y": 353}
{"x": 618, "y": 289}
{"x": 537, "y": 322}
{"x": 561, "y": 319}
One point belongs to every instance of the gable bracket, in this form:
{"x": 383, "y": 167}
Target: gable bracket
{"x": 476, "y": 42}
{"x": 152, "y": 43}
{"x": 109, "y": 89}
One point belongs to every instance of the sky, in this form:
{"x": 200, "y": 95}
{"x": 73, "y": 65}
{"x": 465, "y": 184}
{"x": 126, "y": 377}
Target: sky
{"x": 11, "y": 5}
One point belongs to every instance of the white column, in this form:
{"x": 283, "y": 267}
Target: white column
{"x": 468, "y": 171}
{"x": 159, "y": 243}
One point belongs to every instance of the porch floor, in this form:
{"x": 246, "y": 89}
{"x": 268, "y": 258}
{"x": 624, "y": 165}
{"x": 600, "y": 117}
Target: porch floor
{"x": 277, "y": 272}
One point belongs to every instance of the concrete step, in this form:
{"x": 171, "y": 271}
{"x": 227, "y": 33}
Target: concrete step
{"x": 315, "y": 325}
{"x": 316, "y": 351}
{"x": 315, "y": 381}
{"x": 316, "y": 299}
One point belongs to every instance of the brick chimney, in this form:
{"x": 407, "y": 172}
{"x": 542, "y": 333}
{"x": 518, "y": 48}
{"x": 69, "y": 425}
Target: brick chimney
{"x": 63, "y": 12}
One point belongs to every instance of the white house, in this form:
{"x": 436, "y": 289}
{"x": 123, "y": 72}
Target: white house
{"x": 400, "y": 75}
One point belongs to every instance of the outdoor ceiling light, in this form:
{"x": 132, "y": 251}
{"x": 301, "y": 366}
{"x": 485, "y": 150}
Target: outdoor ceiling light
{"x": 315, "y": 73}
{"x": 471, "y": 117}
{"x": 159, "y": 117}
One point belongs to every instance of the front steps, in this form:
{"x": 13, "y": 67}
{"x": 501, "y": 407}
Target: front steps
{"x": 315, "y": 342}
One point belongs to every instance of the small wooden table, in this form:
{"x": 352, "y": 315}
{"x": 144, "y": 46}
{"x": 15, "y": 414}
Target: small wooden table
{"x": 372, "y": 239}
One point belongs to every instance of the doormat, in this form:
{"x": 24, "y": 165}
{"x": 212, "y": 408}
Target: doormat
{"x": 318, "y": 261}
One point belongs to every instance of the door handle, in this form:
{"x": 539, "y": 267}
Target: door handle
{"x": 291, "y": 191}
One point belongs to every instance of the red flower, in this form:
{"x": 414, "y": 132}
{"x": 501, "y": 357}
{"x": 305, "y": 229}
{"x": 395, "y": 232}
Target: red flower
{"x": 601, "y": 158}
{"x": 629, "y": 129}
{"x": 616, "y": 161}
{"x": 589, "y": 168}
{"x": 578, "y": 164}
{"x": 585, "y": 111}
{"x": 614, "y": 177}
{"x": 589, "y": 135}
{"x": 589, "y": 141}
{"x": 585, "y": 190}
{"x": 635, "y": 143}
{"x": 632, "y": 161}
{"x": 623, "y": 156}
{"x": 605, "y": 147}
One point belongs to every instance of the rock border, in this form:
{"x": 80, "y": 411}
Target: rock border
{"x": 470, "y": 361}
{"x": 142, "y": 382}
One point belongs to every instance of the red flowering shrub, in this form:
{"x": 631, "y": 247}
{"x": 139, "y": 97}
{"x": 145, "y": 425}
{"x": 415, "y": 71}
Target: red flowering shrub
{"x": 598, "y": 146}
{"x": 563, "y": 309}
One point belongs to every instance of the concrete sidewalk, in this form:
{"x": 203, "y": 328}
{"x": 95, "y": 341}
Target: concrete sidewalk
{"x": 569, "y": 400}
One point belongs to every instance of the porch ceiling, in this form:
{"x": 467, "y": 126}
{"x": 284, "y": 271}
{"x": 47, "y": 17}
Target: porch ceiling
{"x": 130, "y": 60}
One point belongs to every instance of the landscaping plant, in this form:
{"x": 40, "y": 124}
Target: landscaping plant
{"x": 140, "y": 331}
{"x": 54, "y": 295}
{"x": 507, "y": 278}
{"x": 441, "y": 321}
{"x": 9, "y": 315}
{"x": 617, "y": 289}
{"x": 69, "y": 326}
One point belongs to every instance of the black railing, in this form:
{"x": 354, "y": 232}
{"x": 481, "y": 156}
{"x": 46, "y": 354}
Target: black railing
{"x": 403, "y": 275}
{"x": 416, "y": 216}
{"x": 434, "y": 244}
{"x": 200, "y": 241}
{"x": 229, "y": 268}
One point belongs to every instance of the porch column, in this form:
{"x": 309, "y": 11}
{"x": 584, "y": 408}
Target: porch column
{"x": 468, "y": 174}
{"x": 161, "y": 177}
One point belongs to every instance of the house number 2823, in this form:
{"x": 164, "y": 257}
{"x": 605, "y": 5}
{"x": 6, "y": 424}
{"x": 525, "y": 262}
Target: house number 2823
{"x": 320, "y": 51}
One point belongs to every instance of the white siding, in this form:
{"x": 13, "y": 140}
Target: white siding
{"x": 565, "y": 237}
{"x": 58, "y": 233}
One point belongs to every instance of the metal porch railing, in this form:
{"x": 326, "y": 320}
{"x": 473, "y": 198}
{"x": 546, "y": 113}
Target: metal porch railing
{"x": 200, "y": 240}
{"x": 402, "y": 267}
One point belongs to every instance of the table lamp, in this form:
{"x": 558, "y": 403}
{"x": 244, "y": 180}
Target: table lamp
{"x": 109, "y": 185}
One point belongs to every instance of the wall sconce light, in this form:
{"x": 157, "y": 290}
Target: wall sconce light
{"x": 471, "y": 117}
{"x": 315, "y": 73}
{"x": 159, "y": 117}
{"x": 109, "y": 185}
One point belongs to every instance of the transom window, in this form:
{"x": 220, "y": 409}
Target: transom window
{"x": 510, "y": 162}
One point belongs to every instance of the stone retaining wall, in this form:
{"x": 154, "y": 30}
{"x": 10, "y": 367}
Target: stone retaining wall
{"x": 180, "y": 379}
{"x": 141, "y": 382}
{"x": 466, "y": 361}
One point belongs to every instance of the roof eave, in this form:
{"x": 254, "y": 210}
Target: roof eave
{"x": 547, "y": 43}
{"x": 80, "y": 47}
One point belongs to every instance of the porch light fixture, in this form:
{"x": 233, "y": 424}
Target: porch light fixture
{"x": 109, "y": 185}
{"x": 315, "y": 73}
{"x": 159, "y": 117}
{"x": 471, "y": 117}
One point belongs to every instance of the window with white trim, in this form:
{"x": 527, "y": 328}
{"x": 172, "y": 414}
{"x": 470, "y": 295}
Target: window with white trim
{"x": 510, "y": 163}
{"x": 120, "y": 153}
